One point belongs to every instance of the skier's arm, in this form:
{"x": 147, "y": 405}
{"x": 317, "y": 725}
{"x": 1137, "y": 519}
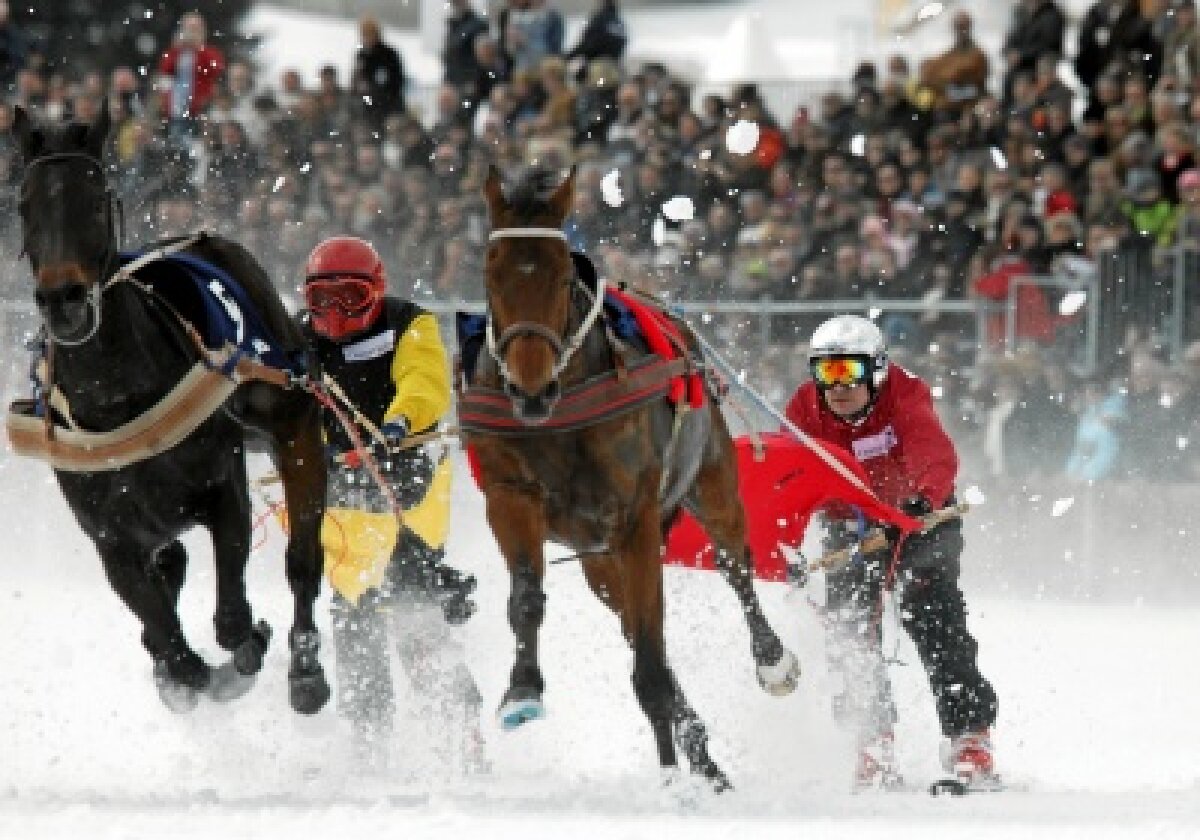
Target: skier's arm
{"x": 931, "y": 459}
{"x": 421, "y": 376}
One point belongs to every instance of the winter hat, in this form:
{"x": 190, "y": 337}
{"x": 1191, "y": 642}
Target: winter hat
{"x": 1060, "y": 201}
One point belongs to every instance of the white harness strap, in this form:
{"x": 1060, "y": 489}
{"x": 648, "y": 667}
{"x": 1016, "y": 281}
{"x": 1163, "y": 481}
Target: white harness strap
{"x": 121, "y": 275}
{"x": 527, "y": 233}
{"x": 127, "y": 272}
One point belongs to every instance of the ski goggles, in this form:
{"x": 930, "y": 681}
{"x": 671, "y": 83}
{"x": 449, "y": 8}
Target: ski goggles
{"x": 346, "y": 295}
{"x": 829, "y": 371}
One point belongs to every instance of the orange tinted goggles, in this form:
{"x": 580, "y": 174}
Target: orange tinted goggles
{"x": 347, "y": 295}
{"x": 838, "y": 370}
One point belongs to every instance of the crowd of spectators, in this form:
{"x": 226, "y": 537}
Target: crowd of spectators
{"x": 927, "y": 179}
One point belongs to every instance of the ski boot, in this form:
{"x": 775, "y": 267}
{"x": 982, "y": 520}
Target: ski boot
{"x": 968, "y": 760}
{"x": 876, "y": 765}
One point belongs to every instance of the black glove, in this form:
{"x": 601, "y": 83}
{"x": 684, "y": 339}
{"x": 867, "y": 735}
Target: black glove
{"x": 394, "y": 432}
{"x": 445, "y": 585}
{"x": 409, "y": 472}
{"x": 937, "y": 549}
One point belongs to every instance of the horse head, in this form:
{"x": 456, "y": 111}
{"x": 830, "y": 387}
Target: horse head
{"x": 67, "y": 221}
{"x": 529, "y": 276}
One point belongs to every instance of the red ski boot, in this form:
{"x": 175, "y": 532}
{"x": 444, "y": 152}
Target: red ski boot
{"x": 968, "y": 758}
{"x": 876, "y": 767}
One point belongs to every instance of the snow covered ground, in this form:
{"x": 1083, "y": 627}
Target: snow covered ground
{"x": 1098, "y": 723}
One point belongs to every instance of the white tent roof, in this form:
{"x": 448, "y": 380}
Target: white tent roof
{"x": 746, "y": 52}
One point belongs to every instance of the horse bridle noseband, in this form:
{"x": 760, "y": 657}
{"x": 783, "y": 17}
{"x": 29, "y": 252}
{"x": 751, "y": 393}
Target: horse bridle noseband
{"x": 563, "y": 351}
{"x": 116, "y": 235}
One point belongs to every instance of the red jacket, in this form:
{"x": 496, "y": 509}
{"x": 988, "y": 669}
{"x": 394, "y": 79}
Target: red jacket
{"x": 1035, "y": 320}
{"x": 901, "y": 443}
{"x": 210, "y": 64}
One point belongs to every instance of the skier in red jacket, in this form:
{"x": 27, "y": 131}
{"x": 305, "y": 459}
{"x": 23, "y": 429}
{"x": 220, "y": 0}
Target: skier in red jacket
{"x": 883, "y": 414}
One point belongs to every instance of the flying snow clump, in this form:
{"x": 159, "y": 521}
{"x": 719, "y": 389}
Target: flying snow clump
{"x": 658, "y": 231}
{"x": 1061, "y": 506}
{"x": 1071, "y": 302}
{"x": 974, "y": 496}
{"x": 742, "y": 137}
{"x": 679, "y": 209}
{"x": 610, "y": 190}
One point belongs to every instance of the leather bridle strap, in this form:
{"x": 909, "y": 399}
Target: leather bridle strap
{"x": 563, "y": 351}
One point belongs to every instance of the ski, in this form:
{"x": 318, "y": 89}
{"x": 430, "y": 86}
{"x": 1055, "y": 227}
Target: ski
{"x": 950, "y": 786}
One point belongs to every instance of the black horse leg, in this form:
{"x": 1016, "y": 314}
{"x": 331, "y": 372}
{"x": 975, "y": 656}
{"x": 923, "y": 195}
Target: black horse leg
{"x": 674, "y": 723}
{"x": 229, "y": 524}
{"x": 231, "y": 532}
{"x": 149, "y": 597}
{"x": 170, "y": 567}
{"x": 526, "y": 607}
{"x": 714, "y": 498}
{"x": 778, "y": 668}
{"x": 301, "y": 464}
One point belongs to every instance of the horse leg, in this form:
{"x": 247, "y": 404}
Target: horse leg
{"x": 229, "y": 525}
{"x": 301, "y": 462}
{"x": 150, "y": 593}
{"x": 674, "y": 723}
{"x": 517, "y": 519}
{"x": 170, "y": 567}
{"x": 715, "y": 499}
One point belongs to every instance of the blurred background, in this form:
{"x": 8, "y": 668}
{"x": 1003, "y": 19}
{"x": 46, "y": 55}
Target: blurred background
{"x": 1009, "y": 187}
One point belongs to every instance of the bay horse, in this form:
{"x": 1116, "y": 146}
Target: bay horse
{"x": 114, "y": 351}
{"x": 609, "y": 490}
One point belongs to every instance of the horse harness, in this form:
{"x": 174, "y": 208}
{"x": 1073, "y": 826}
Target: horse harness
{"x": 201, "y": 392}
{"x": 627, "y": 385}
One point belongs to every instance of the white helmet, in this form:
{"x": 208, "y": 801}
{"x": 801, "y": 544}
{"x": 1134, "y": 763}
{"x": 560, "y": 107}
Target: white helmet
{"x": 852, "y": 335}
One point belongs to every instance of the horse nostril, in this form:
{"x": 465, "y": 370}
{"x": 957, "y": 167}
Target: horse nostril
{"x": 513, "y": 391}
{"x": 74, "y": 294}
{"x": 552, "y": 391}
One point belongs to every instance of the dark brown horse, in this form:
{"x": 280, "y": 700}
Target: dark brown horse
{"x": 115, "y": 350}
{"x": 608, "y": 490}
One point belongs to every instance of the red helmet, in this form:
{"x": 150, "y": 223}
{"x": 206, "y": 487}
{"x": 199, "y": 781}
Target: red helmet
{"x": 344, "y": 285}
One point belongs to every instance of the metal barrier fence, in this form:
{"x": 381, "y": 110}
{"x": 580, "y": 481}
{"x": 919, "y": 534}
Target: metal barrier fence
{"x": 1080, "y": 346}
{"x": 1149, "y": 293}
{"x": 762, "y": 319}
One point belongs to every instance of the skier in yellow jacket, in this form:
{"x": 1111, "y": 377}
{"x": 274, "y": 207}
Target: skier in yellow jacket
{"x": 384, "y": 356}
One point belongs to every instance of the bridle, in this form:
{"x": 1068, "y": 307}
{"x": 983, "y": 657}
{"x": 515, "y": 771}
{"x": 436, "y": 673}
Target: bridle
{"x": 116, "y": 235}
{"x": 563, "y": 350}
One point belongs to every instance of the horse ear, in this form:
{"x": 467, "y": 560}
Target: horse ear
{"x": 493, "y": 191}
{"x": 563, "y": 199}
{"x": 98, "y": 131}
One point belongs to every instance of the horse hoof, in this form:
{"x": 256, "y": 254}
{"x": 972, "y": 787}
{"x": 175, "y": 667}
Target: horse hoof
{"x": 717, "y": 780}
{"x": 309, "y": 692}
{"x": 228, "y": 683}
{"x": 781, "y": 678}
{"x": 178, "y": 697}
{"x": 248, "y": 658}
{"x": 512, "y": 713}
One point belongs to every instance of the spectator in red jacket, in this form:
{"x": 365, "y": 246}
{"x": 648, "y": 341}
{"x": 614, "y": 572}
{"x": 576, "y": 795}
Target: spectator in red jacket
{"x": 884, "y": 415}
{"x": 190, "y": 70}
{"x": 1034, "y": 319}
